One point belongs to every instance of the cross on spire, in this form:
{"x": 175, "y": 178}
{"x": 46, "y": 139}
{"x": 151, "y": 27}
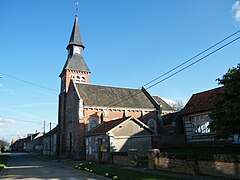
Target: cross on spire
{"x": 76, "y": 4}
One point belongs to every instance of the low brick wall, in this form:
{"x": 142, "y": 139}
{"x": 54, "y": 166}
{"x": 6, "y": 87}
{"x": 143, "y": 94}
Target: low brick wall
{"x": 120, "y": 158}
{"x": 219, "y": 165}
{"x": 224, "y": 169}
{"x": 129, "y": 158}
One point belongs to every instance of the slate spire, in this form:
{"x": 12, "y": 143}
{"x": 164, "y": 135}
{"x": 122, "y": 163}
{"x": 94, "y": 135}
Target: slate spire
{"x": 75, "y": 38}
{"x": 75, "y": 60}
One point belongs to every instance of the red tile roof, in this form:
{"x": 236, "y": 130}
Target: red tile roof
{"x": 203, "y": 101}
{"x": 106, "y": 126}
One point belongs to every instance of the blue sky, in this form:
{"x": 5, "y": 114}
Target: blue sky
{"x": 128, "y": 43}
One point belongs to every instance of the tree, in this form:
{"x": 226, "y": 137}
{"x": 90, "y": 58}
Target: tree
{"x": 226, "y": 114}
{"x": 3, "y": 145}
{"x": 178, "y": 105}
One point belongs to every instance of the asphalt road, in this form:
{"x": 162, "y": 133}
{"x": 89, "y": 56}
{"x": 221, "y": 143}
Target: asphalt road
{"x": 26, "y": 166}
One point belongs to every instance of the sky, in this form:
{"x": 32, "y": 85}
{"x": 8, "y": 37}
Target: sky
{"x": 128, "y": 44}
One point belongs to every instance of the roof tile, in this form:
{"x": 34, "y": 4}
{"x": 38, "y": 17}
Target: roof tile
{"x": 203, "y": 101}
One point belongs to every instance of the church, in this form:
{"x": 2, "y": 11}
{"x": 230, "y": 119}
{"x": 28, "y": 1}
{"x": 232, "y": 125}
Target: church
{"x": 84, "y": 106}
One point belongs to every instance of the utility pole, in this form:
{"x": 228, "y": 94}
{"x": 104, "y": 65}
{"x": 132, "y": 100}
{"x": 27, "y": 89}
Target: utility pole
{"x": 44, "y": 127}
{"x": 50, "y": 139}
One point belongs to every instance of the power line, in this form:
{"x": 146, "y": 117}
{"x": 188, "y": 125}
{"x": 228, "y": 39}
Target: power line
{"x": 123, "y": 98}
{"x": 28, "y": 82}
{"x": 194, "y": 62}
{"x": 192, "y": 58}
{"x": 131, "y": 95}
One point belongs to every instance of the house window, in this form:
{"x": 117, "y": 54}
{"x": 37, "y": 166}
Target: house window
{"x": 200, "y": 124}
{"x": 93, "y": 122}
{"x": 152, "y": 124}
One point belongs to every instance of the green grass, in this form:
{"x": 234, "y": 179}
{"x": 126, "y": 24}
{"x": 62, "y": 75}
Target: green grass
{"x": 119, "y": 173}
{"x": 3, "y": 160}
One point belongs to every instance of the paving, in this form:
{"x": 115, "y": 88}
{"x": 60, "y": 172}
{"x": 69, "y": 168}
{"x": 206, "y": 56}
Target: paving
{"x": 26, "y": 166}
{"x": 72, "y": 163}
{"x": 35, "y": 167}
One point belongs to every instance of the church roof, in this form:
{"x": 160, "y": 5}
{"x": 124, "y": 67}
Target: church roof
{"x": 106, "y": 96}
{"x": 164, "y": 106}
{"x": 75, "y": 38}
{"x": 76, "y": 63}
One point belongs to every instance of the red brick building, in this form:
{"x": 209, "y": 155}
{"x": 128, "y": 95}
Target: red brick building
{"x": 82, "y": 106}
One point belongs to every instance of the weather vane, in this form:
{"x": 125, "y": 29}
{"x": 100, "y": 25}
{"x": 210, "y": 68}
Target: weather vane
{"x": 76, "y": 4}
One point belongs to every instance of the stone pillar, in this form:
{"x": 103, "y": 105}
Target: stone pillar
{"x": 153, "y": 156}
{"x": 132, "y": 157}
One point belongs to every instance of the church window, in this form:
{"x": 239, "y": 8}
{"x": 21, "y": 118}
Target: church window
{"x": 72, "y": 76}
{"x": 77, "y": 79}
{"x": 82, "y": 79}
{"x": 152, "y": 124}
{"x": 93, "y": 122}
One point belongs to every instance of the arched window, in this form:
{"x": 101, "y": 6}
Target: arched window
{"x": 72, "y": 76}
{"x": 82, "y": 79}
{"x": 92, "y": 123}
{"x": 152, "y": 124}
{"x": 77, "y": 79}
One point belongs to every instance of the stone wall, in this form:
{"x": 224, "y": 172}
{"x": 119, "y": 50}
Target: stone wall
{"x": 129, "y": 158}
{"x": 220, "y": 165}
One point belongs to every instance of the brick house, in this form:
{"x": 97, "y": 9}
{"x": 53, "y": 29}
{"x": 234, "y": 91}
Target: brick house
{"x": 172, "y": 132}
{"x": 196, "y": 118}
{"x": 82, "y": 106}
{"x": 49, "y": 142}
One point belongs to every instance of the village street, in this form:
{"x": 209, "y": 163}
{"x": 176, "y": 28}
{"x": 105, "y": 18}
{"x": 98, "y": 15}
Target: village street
{"x": 27, "y": 166}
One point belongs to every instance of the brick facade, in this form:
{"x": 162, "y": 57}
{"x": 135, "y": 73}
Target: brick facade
{"x": 80, "y": 102}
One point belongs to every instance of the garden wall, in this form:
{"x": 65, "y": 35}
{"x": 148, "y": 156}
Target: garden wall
{"x": 217, "y": 165}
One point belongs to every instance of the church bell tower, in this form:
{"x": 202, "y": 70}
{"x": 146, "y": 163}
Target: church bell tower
{"x": 75, "y": 67}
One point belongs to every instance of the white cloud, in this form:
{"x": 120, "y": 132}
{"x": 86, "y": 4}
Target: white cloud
{"x": 4, "y": 122}
{"x": 6, "y": 90}
{"x": 35, "y": 105}
{"x": 236, "y": 11}
{"x": 236, "y": 5}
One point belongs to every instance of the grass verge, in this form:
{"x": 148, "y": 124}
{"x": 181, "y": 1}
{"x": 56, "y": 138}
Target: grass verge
{"x": 119, "y": 173}
{"x": 3, "y": 160}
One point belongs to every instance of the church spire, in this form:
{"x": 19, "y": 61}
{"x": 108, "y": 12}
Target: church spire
{"x": 75, "y": 38}
{"x": 75, "y": 67}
